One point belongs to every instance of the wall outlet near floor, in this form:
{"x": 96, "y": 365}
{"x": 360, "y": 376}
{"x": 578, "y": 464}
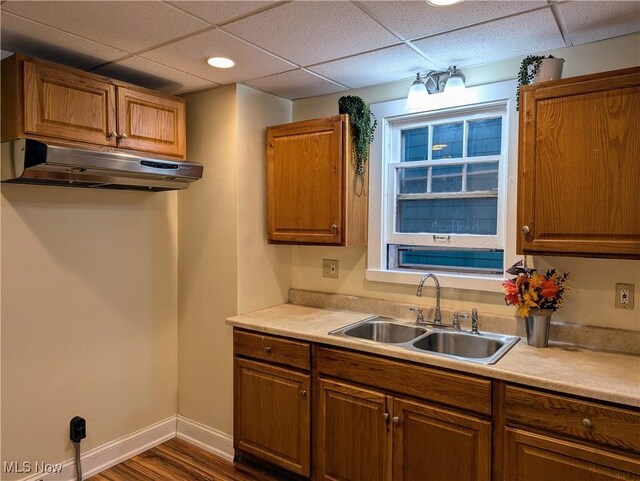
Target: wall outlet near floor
{"x": 624, "y": 296}
{"x": 330, "y": 268}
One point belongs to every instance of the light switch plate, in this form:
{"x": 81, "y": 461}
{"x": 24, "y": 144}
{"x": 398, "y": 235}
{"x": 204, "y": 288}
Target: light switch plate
{"x": 624, "y": 296}
{"x": 330, "y": 268}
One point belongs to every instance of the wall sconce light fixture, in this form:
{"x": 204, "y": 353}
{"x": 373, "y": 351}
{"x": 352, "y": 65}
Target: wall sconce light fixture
{"x": 450, "y": 81}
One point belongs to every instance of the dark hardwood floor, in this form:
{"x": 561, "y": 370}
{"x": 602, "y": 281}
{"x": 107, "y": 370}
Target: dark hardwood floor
{"x": 177, "y": 460}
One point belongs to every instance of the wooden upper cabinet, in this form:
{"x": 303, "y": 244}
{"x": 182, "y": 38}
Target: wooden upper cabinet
{"x": 62, "y": 104}
{"x": 579, "y": 166}
{"x": 49, "y": 102}
{"x": 314, "y": 196}
{"x": 151, "y": 122}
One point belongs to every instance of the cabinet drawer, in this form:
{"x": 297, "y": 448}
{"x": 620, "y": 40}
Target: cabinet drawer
{"x": 273, "y": 349}
{"x": 612, "y": 426}
{"x": 463, "y": 392}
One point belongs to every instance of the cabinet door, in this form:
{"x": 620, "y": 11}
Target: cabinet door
{"x": 432, "y": 444}
{"x": 272, "y": 414}
{"x": 305, "y": 181}
{"x": 152, "y": 123}
{"x": 579, "y": 174}
{"x": 65, "y": 105}
{"x": 534, "y": 457}
{"x": 353, "y": 442}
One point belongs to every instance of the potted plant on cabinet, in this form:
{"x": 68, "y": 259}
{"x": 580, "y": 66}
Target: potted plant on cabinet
{"x": 538, "y": 68}
{"x": 363, "y": 125}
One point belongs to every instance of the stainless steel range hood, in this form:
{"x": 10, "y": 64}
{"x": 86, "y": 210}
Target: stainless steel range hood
{"x": 26, "y": 161}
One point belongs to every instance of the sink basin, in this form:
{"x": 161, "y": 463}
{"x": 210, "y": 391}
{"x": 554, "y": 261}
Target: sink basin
{"x": 381, "y": 329}
{"x": 485, "y": 347}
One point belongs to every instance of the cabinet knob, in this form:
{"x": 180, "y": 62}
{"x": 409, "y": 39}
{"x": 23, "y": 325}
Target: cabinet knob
{"x": 525, "y": 229}
{"x": 385, "y": 416}
{"x": 303, "y": 392}
{"x": 112, "y": 135}
{"x": 334, "y": 227}
{"x": 395, "y": 419}
{"x": 267, "y": 349}
{"x": 122, "y": 137}
{"x": 586, "y": 422}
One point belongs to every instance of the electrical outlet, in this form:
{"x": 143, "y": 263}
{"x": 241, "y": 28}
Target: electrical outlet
{"x": 330, "y": 268}
{"x": 624, "y": 296}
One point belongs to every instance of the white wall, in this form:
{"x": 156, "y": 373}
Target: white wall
{"x": 89, "y": 316}
{"x": 225, "y": 264}
{"x": 264, "y": 270}
{"x": 591, "y": 300}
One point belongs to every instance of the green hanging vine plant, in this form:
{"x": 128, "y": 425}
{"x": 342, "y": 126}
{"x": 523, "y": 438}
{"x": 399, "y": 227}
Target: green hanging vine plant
{"x": 362, "y": 129}
{"x": 528, "y": 70}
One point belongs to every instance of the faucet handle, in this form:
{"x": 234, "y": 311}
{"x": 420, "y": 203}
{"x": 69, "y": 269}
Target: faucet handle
{"x": 420, "y": 316}
{"x": 456, "y": 319}
{"x": 474, "y": 320}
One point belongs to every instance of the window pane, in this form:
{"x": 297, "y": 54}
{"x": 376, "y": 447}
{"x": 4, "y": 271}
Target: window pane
{"x": 416, "y": 144}
{"x": 413, "y": 181}
{"x": 447, "y": 141}
{"x": 448, "y": 216}
{"x": 473, "y": 259}
{"x": 482, "y": 176}
{"x": 484, "y": 137}
{"x": 446, "y": 178}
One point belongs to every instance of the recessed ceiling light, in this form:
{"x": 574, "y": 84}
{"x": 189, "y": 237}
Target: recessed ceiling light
{"x": 442, "y": 3}
{"x": 221, "y": 62}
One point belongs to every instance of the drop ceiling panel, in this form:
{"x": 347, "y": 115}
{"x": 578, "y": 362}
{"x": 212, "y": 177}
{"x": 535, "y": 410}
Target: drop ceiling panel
{"x": 399, "y": 62}
{"x": 126, "y": 25}
{"x": 296, "y": 84}
{"x": 190, "y": 55}
{"x": 220, "y": 12}
{"x": 139, "y": 71}
{"x": 312, "y": 32}
{"x": 36, "y": 40}
{"x": 593, "y": 21}
{"x": 512, "y": 37}
{"x": 419, "y": 19}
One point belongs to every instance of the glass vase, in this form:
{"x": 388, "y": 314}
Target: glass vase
{"x": 538, "y": 324}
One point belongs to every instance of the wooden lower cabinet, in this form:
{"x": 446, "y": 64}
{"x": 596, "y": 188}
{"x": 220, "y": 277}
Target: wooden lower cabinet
{"x": 437, "y": 444}
{"x": 536, "y": 457}
{"x": 353, "y": 433}
{"x": 368, "y": 435}
{"x": 272, "y": 414}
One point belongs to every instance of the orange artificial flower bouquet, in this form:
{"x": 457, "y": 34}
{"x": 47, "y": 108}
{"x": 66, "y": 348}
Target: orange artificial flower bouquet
{"x": 530, "y": 290}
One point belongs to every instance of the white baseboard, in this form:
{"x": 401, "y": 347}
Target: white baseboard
{"x": 212, "y": 440}
{"x": 112, "y": 453}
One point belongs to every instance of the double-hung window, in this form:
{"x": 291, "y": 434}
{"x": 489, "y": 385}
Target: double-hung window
{"x": 443, "y": 201}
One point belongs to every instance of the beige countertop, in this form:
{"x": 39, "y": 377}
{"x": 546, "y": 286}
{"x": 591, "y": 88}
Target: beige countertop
{"x": 599, "y": 375}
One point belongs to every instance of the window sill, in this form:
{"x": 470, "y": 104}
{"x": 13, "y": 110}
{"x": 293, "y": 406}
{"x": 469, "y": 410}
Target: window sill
{"x": 471, "y": 282}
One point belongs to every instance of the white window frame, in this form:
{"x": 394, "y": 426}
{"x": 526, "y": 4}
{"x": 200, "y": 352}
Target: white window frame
{"x": 391, "y": 115}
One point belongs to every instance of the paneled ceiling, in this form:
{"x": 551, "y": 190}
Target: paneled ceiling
{"x": 298, "y": 49}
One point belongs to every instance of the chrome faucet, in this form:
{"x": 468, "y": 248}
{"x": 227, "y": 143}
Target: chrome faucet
{"x": 437, "y": 318}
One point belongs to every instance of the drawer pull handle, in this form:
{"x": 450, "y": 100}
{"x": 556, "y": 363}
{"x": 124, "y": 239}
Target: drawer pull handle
{"x": 385, "y": 416}
{"x": 395, "y": 419}
{"x": 303, "y": 392}
{"x": 587, "y": 423}
{"x": 267, "y": 349}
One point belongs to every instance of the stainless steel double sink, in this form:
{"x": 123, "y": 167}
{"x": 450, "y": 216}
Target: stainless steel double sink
{"x": 483, "y": 347}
